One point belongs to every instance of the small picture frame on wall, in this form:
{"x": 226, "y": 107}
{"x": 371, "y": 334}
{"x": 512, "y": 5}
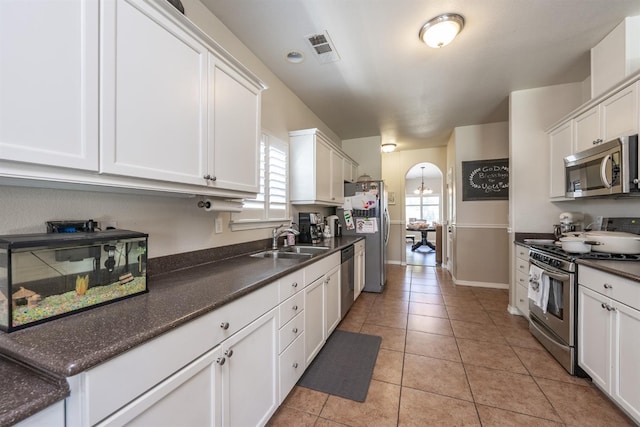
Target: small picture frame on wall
{"x": 392, "y": 198}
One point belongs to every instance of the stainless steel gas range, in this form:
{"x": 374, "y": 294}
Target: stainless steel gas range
{"x": 555, "y": 324}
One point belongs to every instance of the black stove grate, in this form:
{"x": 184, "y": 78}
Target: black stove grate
{"x": 558, "y": 252}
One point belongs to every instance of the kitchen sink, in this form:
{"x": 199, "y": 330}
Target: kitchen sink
{"x": 282, "y": 255}
{"x": 309, "y": 249}
{"x": 292, "y": 252}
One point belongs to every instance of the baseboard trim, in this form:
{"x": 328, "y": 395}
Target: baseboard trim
{"x": 481, "y": 284}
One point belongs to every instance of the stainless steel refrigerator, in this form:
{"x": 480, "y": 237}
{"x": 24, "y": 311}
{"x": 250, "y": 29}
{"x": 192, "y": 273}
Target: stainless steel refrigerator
{"x": 372, "y": 223}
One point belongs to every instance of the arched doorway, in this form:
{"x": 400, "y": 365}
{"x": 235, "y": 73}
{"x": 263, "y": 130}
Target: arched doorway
{"x": 423, "y": 207}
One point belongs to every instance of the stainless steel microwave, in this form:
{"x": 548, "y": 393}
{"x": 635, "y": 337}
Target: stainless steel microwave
{"x": 610, "y": 168}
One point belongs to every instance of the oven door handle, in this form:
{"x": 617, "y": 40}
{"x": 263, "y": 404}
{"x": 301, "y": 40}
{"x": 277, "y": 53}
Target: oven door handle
{"x": 558, "y": 276}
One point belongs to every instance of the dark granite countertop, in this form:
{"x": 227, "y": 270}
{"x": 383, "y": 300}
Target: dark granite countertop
{"x": 627, "y": 269}
{"x": 25, "y": 392}
{"x": 70, "y": 345}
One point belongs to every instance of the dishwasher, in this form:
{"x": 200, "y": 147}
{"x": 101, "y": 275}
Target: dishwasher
{"x": 346, "y": 280}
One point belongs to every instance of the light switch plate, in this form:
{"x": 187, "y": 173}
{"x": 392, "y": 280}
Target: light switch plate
{"x": 218, "y": 225}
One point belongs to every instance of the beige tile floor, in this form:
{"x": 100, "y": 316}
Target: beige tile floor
{"x": 451, "y": 356}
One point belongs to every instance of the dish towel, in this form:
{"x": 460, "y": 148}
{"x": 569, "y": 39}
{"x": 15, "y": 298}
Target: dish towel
{"x": 538, "y": 287}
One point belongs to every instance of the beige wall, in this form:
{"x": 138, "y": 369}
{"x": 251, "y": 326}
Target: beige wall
{"x": 365, "y": 151}
{"x": 480, "y": 242}
{"x": 175, "y": 224}
{"x": 394, "y": 168}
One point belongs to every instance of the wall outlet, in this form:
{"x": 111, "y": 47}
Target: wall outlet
{"x": 218, "y": 225}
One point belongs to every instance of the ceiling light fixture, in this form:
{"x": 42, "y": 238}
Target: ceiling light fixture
{"x": 388, "y": 148}
{"x": 422, "y": 190}
{"x": 441, "y": 30}
{"x": 295, "y": 57}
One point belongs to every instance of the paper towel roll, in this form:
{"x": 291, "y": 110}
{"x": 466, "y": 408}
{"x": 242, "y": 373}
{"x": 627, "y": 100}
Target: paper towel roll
{"x": 215, "y": 205}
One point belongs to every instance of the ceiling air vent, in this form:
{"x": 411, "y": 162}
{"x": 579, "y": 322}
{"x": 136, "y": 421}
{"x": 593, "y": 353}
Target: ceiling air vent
{"x": 323, "y": 47}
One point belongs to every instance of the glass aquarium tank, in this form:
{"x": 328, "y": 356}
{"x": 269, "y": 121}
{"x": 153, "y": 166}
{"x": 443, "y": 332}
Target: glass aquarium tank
{"x": 46, "y": 276}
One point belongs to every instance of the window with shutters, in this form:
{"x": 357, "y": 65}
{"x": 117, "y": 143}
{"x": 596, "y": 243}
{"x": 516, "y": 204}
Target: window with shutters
{"x": 271, "y": 205}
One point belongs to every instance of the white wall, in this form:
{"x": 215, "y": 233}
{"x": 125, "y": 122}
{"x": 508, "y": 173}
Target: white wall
{"x": 365, "y": 151}
{"x": 531, "y": 112}
{"x": 175, "y": 224}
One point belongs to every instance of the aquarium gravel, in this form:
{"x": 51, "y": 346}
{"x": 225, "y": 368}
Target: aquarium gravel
{"x": 55, "y": 305}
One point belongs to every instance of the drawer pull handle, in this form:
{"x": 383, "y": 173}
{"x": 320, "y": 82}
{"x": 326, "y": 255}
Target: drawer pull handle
{"x": 228, "y": 353}
{"x": 224, "y": 325}
{"x": 220, "y": 361}
{"x": 295, "y": 365}
{"x": 294, "y": 284}
{"x": 608, "y": 286}
{"x": 295, "y": 330}
{"x": 608, "y": 307}
{"x": 295, "y": 307}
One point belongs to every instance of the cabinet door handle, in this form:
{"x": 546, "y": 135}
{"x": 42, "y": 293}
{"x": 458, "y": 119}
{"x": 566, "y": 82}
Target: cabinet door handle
{"x": 295, "y": 365}
{"x": 220, "y": 361}
{"x": 295, "y": 307}
{"x": 228, "y": 353}
{"x": 295, "y": 330}
{"x": 608, "y": 307}
{"x": 224, "y": 325}
{"x": 608, "y": 286}
{"x": 294, "y": 284}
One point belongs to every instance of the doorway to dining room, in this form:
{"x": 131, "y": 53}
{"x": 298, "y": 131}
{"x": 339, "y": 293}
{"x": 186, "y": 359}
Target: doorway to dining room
{"x": 423, "y": 210}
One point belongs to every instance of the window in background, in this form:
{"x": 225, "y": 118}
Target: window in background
{"x": 426, "y": 207}
{"x": 270, "y": 207}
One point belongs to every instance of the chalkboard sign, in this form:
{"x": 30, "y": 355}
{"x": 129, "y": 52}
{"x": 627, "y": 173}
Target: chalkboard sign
{"x": 485, "y": 180}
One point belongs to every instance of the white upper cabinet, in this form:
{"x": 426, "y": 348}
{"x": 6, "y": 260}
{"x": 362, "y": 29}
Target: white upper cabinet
{"x": 234, "y": 129}
{"x": 127, "y": 88}
{"x": 587, "y": 129}
{"x": 560, "y": 146}
{"x": 620, "y": 113}
{"x": 317, "y": 169}
{"x": 154, "y": 103}
{"x": 337, "y": 177}
{"x": 172, "y": 109}
{"x": 614, "y": 117}
{"x": 49, "y": 82}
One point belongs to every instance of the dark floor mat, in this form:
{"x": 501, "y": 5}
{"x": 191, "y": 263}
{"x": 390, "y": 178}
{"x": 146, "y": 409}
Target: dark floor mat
{"x": 344, "y": 366}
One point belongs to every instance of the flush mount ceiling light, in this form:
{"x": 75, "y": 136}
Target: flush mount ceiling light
{"x": 441, "y": 30}
{"x": 388, "y": 148}
{"x": 295, "y": 57}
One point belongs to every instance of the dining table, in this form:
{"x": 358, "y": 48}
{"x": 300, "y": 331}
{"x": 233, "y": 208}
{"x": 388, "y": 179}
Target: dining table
{"x": 423, "y": 241}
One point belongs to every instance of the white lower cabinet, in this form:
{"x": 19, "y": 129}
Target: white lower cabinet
{"x": 292, "y": 366}
{"x": 189, "y": 397}
{"x": 358, "y": 268}
{"x": 521, "y": 274}
{"x": 53, "y": 416}
{"x": 231, "y": 367}
{"x": 314, "y": 319}
{"x": 332, "y": 300}
{"x": 608, "y": 331}
{"x": 250, "y": 374}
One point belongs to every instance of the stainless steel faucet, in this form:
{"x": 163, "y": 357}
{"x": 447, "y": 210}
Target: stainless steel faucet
{"x": 275, "y": 234}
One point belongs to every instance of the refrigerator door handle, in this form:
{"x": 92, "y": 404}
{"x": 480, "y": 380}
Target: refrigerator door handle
{"x": 387, "y": 224}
